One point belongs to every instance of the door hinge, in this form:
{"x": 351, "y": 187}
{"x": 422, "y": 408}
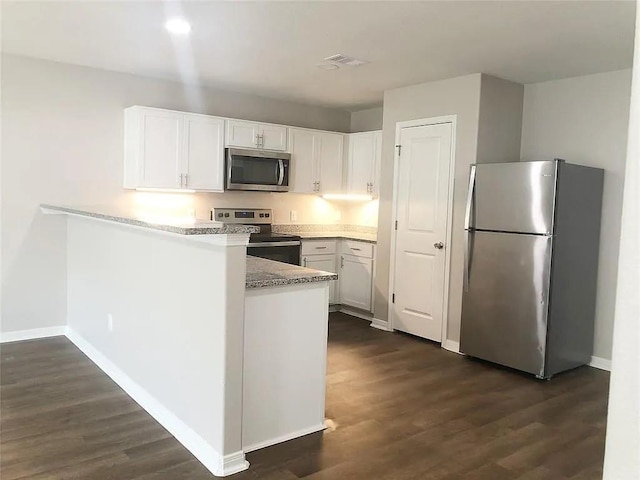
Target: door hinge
{"x": 399, "y": 147}
{"x": 393, "y": 298}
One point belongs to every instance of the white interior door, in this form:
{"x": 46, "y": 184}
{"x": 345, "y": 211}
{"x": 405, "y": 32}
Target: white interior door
{"x": 421, "y": 212}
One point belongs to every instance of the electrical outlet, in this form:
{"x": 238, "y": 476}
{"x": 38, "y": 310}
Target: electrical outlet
{"x": 110, "y": 322}
{"x": 293, "y": 216}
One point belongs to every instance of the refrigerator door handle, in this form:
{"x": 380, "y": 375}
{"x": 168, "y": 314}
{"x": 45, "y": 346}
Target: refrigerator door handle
{"x": 467, "y": 226}
{"x": 472, "y": 186}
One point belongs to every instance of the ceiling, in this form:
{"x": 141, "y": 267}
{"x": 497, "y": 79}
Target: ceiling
{"x": 272, "y": 48}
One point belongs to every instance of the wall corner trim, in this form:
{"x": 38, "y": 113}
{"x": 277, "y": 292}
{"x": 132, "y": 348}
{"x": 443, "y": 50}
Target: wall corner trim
{"x": 600, "y": 363}
{"x": 233, "y": 463}
{"x": 32, "y": 334}
{"x": 192, "y": 441}
{"x": 381, "y": 325}
{"x": 452, "y": 346}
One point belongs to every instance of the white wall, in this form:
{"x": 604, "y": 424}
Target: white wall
{"x": 500, "y": 120}
{"x": 622, "y": 453}
{"x": 457, "y": 96}
{"x": 167, "y": 294}
{"x": 366, "y": 120}
{"x": 62, "y": 143}
{"x": 584, "y": 120}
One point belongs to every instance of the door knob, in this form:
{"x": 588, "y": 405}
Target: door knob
{"x": 439, "y": 245}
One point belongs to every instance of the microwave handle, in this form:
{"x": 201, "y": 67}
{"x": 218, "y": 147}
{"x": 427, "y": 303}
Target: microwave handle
{"x": 281, "y": 168}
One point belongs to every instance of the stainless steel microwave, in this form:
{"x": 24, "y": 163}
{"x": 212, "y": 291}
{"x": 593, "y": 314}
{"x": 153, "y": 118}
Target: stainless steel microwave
{"x": 257, "y": 170}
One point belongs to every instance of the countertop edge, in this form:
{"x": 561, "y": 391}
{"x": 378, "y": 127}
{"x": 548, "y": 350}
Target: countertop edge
{"x": 279, "y": 282}
{"x": 163, "y": 227}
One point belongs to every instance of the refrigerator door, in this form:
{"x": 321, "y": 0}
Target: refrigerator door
{"x": 505, "y": 303}
{"x": 513, "y": 197}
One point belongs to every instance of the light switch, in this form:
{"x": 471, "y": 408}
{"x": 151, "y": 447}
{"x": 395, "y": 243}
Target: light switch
{"x": 293, "y": 216}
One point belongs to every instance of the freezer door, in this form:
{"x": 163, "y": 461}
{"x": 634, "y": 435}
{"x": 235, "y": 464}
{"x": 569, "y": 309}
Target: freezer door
{"x": 504, "y": 307}
{"x": 513, "y": 197}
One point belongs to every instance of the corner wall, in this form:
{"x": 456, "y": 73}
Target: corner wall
{"x": 585, "y": 120}
{"x": 457, "y": 96}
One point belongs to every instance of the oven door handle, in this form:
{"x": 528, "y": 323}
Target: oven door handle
{"x": 281, "y": 169}
{"x": 274, "y": 244}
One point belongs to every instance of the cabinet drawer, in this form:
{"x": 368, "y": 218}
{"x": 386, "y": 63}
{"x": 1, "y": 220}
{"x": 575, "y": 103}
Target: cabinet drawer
{"x": 359, "y": 249}
{"x": 318, "y": 247}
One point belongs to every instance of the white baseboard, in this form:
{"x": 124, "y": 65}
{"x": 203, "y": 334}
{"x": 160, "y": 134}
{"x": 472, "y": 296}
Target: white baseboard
{"x": 600, "y": 363}
{"x": 284, "y": 438}
{"x": 32, "y": 334}
{"x": 451, "y": 346}
{"x": 354, "y": 313}
{"x": 233, "y": 463}
{"x": 381, "y": 324}
{"x": 207, "y": 455}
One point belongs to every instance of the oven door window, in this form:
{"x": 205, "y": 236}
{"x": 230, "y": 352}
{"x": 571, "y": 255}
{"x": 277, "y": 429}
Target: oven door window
{"x": 289, "y": 254}
{"x": 254, "y": 171}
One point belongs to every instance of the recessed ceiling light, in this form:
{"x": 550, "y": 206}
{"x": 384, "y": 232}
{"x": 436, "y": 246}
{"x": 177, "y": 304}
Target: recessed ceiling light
{"x": 327, "y": 66}
{"x": 178, "y": 26}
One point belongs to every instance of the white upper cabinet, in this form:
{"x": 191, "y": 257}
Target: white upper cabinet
{"x": 204, "y": 137}
{"x": 153, "y": 144}
{"x": 330, "y": 162}
{"x": 256, "y": 135}
{"x": 169, "y": 150}
{"x": 273, "y": 137}
{"x": 363, "y": 163}
{"x": 316, "y": 159}
{"x": 375, "y": 181}
{"x": 303, "y": 160}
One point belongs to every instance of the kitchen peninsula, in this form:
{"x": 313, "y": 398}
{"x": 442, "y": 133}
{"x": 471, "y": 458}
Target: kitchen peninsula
{"x": 227, "y": 352}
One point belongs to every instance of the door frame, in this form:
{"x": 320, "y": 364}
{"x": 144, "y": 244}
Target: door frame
{"x": 423, "y": 122}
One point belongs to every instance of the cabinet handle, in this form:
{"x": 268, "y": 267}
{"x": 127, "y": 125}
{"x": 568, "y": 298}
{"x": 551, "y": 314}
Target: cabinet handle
{"x": 186, "y": 179}
{"x": 257, "y": 140}
{"x": 320, "y": 248}
{"x": 342, "y": 261}
{"x": 305, "y": 262}
{"x": 356, "y": 249}
{"x": 181, "y": 181}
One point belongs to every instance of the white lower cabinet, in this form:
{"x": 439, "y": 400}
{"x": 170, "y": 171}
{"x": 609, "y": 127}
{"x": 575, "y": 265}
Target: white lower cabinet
{"x": 352, "y": 261}
{"x": 326, "y": 263}
{"x": 356, "y": 277}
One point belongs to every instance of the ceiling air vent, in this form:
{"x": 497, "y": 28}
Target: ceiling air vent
{"x": 344, "y": 60}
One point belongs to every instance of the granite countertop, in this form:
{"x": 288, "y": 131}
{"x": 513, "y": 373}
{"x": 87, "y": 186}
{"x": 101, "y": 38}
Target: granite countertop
{"x": 268, "y": 273}
{"x": 189, "y": 227}
{"x": 345, "y": 235}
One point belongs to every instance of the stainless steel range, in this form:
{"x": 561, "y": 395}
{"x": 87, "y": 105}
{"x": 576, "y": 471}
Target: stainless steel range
{"x": 281, "y": 247}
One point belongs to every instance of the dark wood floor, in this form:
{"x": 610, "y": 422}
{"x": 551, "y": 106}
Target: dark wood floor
{"x": 401, "y": 408}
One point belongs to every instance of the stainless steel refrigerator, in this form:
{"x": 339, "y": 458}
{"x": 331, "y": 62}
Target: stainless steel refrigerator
{"x": 531, "y": 258}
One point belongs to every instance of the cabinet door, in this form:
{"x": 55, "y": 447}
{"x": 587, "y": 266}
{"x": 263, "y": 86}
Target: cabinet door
{"x": 160, "y": 149}
{"x": 274, "y": 137}
{"x": 330, "y": 162}
{"x": 303, "y": 160}
{"x": 242, "y": 134}
{"x": 326, "y": 263}
{"x": 361, "y": 163}
{"x": 377, "y": 162}
{"x": 355, "y": 281}
{"x": 204, "y": 152}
